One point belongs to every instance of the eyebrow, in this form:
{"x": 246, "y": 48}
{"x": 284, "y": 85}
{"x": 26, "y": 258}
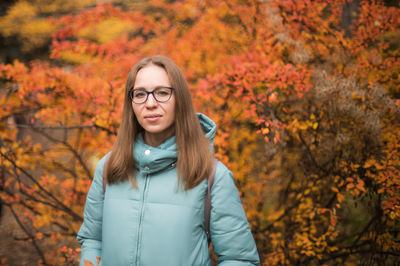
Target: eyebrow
{"x": 156, "y": 87}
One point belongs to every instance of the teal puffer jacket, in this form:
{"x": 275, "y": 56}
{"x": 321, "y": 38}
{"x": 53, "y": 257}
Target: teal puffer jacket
{"x": 159, "y": 224}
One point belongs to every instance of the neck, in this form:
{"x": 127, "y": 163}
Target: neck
{"x": 156, "y": 139}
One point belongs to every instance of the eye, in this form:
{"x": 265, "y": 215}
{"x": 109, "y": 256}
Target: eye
{"x": 163, "y": 91}
{"x": 139, "y": 94}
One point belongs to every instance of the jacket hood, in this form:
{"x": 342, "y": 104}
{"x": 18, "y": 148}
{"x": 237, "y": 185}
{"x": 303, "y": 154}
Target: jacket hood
{"x": 209, "y": 127}
{"x": 150, "y": 160}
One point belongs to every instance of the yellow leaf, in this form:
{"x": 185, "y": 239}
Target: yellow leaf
{"x": 349, "y": 186}
{"x": 369, "y": 163}
{"x": 107, "y": 30}
{"x": 340, "y": 197}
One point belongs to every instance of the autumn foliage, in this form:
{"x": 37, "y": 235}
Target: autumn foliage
{"x": 305, "y": 95}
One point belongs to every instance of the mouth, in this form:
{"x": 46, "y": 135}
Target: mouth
{"x": 152, "y": 118}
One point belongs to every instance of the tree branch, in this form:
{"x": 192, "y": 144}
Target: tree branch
{"x": 31, "y": 237}
{"x": 66, "y": 209}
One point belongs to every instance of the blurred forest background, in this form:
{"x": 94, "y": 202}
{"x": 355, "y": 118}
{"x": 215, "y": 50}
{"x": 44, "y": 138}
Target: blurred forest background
{"x": 305, "y": 93}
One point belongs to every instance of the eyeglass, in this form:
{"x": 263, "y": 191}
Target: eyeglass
{"x": 161, "y": 94}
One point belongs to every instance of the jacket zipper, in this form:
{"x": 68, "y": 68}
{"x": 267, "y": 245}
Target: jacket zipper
{"x": 141, "y": 218}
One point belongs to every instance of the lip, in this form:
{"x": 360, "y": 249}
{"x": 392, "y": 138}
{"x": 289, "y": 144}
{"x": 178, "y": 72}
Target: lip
{"x": 152, "y": 117}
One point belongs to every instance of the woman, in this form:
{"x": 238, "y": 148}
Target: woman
{"x": 152, "y": 211}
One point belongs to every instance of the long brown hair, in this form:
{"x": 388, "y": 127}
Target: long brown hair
{"x": 194, "y": 155}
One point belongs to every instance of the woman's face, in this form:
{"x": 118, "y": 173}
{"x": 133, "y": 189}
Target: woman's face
{"x": 156, "y": 118}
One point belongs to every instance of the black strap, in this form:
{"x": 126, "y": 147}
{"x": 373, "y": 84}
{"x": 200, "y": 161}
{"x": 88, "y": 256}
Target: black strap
{"x": 207, "y": 201}
{"x": 105, "y": 175}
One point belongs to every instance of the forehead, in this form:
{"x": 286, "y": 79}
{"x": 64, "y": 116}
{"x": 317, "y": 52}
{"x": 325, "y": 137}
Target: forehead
{"x": 152, "y": 76}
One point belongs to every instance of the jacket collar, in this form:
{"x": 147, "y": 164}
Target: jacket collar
{"x": 150, "y": 160}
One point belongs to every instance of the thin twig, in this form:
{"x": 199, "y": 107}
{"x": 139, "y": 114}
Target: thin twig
{"x": 39, "y": 251}
{"x": 66, "y": 209}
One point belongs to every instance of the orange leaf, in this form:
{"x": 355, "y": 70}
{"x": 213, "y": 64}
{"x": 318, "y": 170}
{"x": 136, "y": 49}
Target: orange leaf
{"x": 87, "y": 263}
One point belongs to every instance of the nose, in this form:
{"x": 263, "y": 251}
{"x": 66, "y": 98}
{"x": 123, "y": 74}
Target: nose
{"x": 151, "y": 101}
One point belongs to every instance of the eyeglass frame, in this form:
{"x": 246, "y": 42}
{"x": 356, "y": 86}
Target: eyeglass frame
{"x": 130, "y": 93}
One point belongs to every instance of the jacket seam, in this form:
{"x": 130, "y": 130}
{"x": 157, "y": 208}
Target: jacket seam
{"x": 142, "y": 209}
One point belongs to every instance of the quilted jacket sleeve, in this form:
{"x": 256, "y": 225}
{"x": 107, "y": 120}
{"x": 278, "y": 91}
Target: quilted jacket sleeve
{"x": 90, "y": 233}
{"x": 231, "y": 236}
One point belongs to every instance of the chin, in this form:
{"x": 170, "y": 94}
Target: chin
{"x": 153, "y": 130}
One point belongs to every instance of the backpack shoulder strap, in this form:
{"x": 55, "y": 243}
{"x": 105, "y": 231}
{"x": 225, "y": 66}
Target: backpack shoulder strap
{"x": 207, "y": 203}
{"x": 105, "y": 175}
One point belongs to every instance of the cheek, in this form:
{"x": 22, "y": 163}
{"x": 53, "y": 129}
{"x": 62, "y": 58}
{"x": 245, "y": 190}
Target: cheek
{"x": 135, "y": 111}
{"x": 172, "y": 111}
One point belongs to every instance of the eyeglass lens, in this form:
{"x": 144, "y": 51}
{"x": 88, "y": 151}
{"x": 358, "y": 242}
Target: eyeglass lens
{"x": 161, "y": 94}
